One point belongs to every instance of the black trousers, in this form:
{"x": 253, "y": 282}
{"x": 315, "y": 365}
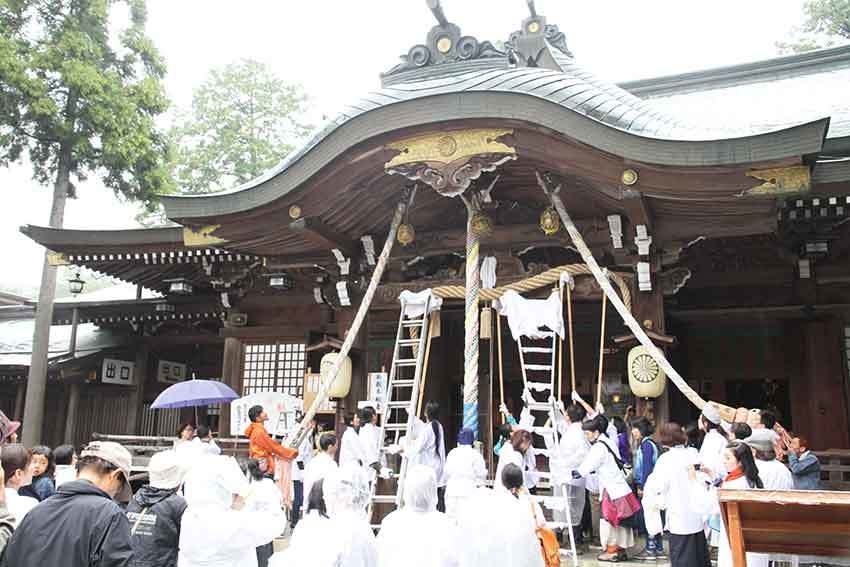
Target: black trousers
{"x": 689, "y": 550}
{"x": 297, "y": 501}
{"x": 441, "y": 499}
{"x": 264, "y": 553}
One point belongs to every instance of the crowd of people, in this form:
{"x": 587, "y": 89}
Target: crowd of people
{"x": 199, "y": 508}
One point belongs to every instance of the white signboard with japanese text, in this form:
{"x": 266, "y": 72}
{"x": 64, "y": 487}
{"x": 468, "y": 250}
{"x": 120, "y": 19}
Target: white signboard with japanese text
{"x": 281, "y": 409}
{"x": 170, "y": 372}
{"x": 117, "y": 372}
{"x": 378, "y": 389}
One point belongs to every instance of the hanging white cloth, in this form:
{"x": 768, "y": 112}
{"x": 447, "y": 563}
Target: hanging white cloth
{"x": 488, "y": 272}
{"x": 414, "y": 303}
{"x": 526, "y": 317}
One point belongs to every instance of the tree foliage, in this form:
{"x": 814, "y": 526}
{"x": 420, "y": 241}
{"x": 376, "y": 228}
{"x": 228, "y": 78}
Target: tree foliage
{"x": 243, "y": 121}
{"x": 827, "y": 23}
{"x": 75, "y": 99}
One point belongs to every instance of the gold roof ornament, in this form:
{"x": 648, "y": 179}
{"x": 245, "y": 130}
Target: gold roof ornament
{"x": 550, "y": 223}
{"x": 295, "y": 212}
{"x": 481, "y": 224}
{"x": 406, "y": 234}
{"x": 203, "y": 236}
{"x": 629, "y": 177}
{"x": 781, "y": 181}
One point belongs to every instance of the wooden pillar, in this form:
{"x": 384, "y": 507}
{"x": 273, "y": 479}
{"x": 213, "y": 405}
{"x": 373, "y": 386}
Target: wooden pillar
{"x": 231, "y": 374}
{"x": 648, "y": 309}
{"x": 137, "y": 395}
{"x": 818, "y": 403}
{"x": 20, "y": 396}
{"x": 71, "y": 415}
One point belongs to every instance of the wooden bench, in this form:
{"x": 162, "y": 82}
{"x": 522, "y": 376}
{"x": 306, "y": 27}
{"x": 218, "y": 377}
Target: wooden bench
{"x": 795, "y": 522}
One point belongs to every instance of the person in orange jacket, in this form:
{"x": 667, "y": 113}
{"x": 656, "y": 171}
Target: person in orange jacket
{"x": 261, "y": 446}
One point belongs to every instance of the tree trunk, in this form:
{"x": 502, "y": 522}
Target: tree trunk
{"x": 37, "y": 379}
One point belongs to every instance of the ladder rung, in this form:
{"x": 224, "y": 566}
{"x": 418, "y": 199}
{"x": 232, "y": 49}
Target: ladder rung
{"x": 384, "y": 498}
{"x": 408, "y": 342}
{"x": 395, "y": 427}
{"x": 401, "y": 404}
{"x": 539, "y": 406}
{"x": 538, "y": 386}
{"x": 543, "y": 430}
{"x": 403, "y": 383}
{"x": 537, "y": 349}
{"x": 538, "y": 367}
{"x": 411, "y": 323}
{"x": 406, "y": 362}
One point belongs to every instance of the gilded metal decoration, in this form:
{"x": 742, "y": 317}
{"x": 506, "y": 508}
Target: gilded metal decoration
{"x": 449, "y": 162}
{"x": 533, "y": 27}
{"x": 295, "y": 212}
{"x": 646, "y": 377}
{"x": 481, "y": 224}
{"x": 57, "y": 259}
{"x": 202, "y": 236}
{"x": 781, "y": 181}
{"x": 549, "y": 221}
{"x": 629, "y": 177}
{"x": 444, "y": 45}
{"x": 406, "y": 234}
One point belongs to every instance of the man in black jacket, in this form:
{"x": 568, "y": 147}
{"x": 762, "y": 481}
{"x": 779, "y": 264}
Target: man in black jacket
{"x": 81, "y": 525}
{"x": 155, "y": 513}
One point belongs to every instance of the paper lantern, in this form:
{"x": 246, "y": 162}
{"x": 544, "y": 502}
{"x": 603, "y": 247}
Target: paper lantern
{"x": 646, "y": 378}
{"x": 342, "y": 384}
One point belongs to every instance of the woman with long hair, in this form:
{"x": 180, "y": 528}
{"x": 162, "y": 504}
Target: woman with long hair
{"x": 515, "y": 453}
{"x": 429, "y": 448}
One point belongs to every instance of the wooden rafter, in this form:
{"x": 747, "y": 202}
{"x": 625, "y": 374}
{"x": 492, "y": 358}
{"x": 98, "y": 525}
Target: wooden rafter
{"x": 315, "y": 231}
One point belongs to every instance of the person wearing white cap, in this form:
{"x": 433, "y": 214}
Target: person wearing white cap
{"x": 81, "y": 521}
{"x": 155, "y": 513}
{"x": 218, "y": 529}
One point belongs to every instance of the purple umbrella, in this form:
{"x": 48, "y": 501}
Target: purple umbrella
{"x": 194, "y": 393}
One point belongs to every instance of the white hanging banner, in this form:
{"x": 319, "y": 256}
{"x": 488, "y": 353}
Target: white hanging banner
{"x": 276, "y": 404}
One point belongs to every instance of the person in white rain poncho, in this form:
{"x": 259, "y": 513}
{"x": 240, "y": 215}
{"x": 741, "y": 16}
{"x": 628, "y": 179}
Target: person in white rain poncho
{"x": 465, "y": 471}
{"x": 263, "y": 495}
{"x": 565, "y": 458}
{"x": 499, "y": 526}
{"x": 428, "y": 448}
{"x": 309, "y": 544}
{"x": 369, "y": 435}
{"x": 217, "y": 529}
{"x": 417, "y": 535}
{"x": 517, "y": 453}
{"x": 346, "y": 492}
{"x": 322, "y": 464}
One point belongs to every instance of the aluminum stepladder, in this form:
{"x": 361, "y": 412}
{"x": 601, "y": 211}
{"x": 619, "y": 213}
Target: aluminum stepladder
{"x": 398, "y": 414}
{"x": 538, "y": 361}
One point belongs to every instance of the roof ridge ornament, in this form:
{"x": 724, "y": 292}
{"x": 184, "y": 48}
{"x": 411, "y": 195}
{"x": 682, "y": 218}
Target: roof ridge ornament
{"x": 445, "y": 44}
{"x": 535, "y": 27}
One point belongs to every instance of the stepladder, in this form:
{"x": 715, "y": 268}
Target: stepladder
{"x": 539, "y": 363}
{"x": 398, "y": 411}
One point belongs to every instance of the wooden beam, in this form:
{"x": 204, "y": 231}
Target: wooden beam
{"x": 637, "y": 209}
{"x": 318, "y": 233}
{"x": 265, "y": 331}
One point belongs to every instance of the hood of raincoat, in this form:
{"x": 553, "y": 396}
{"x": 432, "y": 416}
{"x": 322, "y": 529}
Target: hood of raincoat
{"x": 346, "y": 490}
{"x": 147, "y": 495}
{"x": 420, "y": 489}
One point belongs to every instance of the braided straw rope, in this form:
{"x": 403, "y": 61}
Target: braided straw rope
{"x": 548, "y": 277}
{"x": 472, "y": 325}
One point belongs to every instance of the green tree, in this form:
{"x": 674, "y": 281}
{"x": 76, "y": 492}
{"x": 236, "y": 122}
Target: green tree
{"x": 243, "y": 121}
{"x": 827, "y": 23}
{"x": 77, "y": 101}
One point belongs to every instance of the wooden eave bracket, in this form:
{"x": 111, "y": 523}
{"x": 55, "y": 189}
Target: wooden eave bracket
{"x": 315, "y": 231}
{"x": 658, "y": 339}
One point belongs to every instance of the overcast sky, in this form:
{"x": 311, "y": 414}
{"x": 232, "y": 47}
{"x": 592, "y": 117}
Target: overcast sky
{"x": 337, "y": 48}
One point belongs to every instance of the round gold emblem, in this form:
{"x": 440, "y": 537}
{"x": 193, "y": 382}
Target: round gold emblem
{"x": 534, "y": 27}
{"x": 629, "y": 177}
{"x": 405, "y": 234}
{"x": 295, "y": 212}
{"x": 444, "y": 45}
{"x": 447, "y": 146}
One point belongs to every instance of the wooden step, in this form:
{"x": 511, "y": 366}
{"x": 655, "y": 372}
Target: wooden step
{"x": 403, "y": 383}
{"x": 541, "y": 367}
{"x": 406, "y": 362}
{"x": 537, "y": 349}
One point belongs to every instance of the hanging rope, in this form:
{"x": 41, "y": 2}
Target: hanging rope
{"x": 601, "y": 351}
{"x": 501, "y": 368}
{"x": 623, "y": 310}
{"x": 570, "y": 325}
{"x": 535, "y": 282}
{"x": 295, "y": 439}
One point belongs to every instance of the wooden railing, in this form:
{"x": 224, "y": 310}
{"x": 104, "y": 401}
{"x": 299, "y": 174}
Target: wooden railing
{"x": 835, "y": 469}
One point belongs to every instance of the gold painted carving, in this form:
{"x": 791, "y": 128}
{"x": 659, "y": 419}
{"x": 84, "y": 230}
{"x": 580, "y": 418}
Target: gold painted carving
{"x": 57, "y": 259}
{"x": 202, "y": 237}
{"x": 449, "y": 147}
{"x": 781, "y": 181}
